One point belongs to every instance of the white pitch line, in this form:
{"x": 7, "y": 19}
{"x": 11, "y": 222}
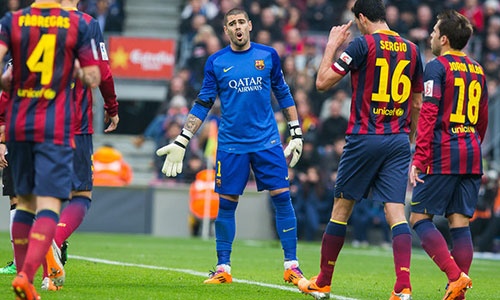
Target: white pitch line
{"x": 196, "y": 273}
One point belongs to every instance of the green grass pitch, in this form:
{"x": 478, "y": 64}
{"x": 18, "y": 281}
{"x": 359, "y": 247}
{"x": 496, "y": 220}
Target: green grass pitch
{"x": 113, "y": 266}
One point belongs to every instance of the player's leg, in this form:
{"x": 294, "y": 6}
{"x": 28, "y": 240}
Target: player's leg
{"x": 8, "y": 190}
{"x": 459, "y": 213}
{"x": 231, "y": 177}
{"x": 74, "y": 212}
{"x": 271, "y": 173}
{"x": 432, "y": 198}
{"x": 389, "y": 187}
{"x": 355, "y": 173}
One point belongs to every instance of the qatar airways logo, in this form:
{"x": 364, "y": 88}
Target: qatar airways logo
{"x": 151, "y": 61}
{"x": 246, "y": 84}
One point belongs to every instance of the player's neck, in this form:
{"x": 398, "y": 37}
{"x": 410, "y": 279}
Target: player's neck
{"x": 372, "y": 27}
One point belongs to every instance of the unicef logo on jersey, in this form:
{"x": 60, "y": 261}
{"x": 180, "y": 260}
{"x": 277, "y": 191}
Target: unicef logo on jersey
{"x": 247, "y": 84}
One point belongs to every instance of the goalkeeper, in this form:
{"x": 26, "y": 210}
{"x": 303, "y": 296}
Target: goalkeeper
{"x": 242, "y": 76}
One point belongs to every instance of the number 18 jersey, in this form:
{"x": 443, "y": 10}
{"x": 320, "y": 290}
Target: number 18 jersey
{"x": 385, "y": 70}
{"x": 454, "y": 116}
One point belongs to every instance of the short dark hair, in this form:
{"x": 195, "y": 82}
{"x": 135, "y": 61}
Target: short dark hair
{"x": 374, "y": 10}
{"x": 235, "y": 11}
{"x": 456, "y": 27}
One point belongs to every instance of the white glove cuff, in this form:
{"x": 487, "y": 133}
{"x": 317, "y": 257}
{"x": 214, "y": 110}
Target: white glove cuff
{"x": 295, "y": 131}
{"x": 183, "y": 139}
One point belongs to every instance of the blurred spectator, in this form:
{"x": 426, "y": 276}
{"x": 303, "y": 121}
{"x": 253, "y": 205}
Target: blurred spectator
{"x": 334, "y": 126}
{"x": 394, "y": 20}
{"x": 312, "y": 201}
{"x": 267, "y": 21}
{"x": 368, "y": 215}
{"x": 485, "y": 223}
{"x": 421, "y": 30}
{"x": 110, "y": 169}
{"x": 320, "y": 15}
{"x": 110, "y": 14}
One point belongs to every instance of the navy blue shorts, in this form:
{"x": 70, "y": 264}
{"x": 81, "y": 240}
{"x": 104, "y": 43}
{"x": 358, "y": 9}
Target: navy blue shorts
{"x": 376, "y": 163}
{"x": 446, "y": 194}
{"x": 8, "y": 184}
{"x": 42, "y": 169}
{"x": 82, "y": 163}
{"x": 233, "y": 169}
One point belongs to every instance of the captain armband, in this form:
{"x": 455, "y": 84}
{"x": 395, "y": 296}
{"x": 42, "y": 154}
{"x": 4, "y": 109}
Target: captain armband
{"x": 295, "y": 131}
{"x": 183, "y": 139}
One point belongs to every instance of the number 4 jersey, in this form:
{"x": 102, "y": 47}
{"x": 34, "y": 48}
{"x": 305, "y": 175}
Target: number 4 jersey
{"x": 44, "y": 41}
{"x": 385, "y": 70}
{"x": 454, "y": 116}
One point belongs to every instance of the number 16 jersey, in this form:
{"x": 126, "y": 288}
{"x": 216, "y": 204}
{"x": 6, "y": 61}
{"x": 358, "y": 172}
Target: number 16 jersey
{"x": 385, "y": 70}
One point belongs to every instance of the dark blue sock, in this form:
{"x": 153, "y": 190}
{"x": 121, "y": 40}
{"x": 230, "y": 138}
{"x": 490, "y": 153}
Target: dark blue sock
{"x": 225, "y": 230}
{"x": 286, "y": 224}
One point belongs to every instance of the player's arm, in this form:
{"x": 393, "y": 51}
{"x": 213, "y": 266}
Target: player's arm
{"x": 176, "y": 150}
{"x": 6, "y": 76}
{"x": 107, "y": 88}
{"x": 295, "y": 145}
{"x": 416, "y": 105}
{"x": 326, "y": 76}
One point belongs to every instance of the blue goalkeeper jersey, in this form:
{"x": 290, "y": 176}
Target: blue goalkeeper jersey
{"x": 243, "y": 81}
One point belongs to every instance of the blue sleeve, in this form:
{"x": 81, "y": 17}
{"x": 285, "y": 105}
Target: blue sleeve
{"x": 357, "y": 50}
{"x": 208, "y": 92}
{"x": 5, "y": 23}
{"x": 280, "y": 88}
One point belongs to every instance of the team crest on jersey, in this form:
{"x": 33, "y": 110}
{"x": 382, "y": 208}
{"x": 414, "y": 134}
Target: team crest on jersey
{"x": 428, "y": 88}
{"x": 259, "y": 64}
{"x": 218, "y": 182}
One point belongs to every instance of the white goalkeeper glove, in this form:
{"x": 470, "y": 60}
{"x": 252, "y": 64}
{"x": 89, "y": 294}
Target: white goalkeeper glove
{"x": 175, "y": 154}
{"x": 295, "y": 145}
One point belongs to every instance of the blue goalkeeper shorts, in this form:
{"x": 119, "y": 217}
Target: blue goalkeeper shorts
{"x": 233, "y": 170}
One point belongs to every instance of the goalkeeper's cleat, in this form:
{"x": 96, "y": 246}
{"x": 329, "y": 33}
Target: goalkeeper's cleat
{"x": 458, "y": 287}
{"x": 48, "y": 285}
{"x": 64, "y": 252}
{"x": 310, "y": 287}
{"x": 54, "y": 265}
{"x": 405, "y": 294}
{"x": 222, "y": 274}
{"x": 9, "y": 269}
{"x": 24, "y": 289}
{"x": 293, "y": 274}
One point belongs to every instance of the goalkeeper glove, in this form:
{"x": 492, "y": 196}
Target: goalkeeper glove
{"x": 175, "y": 154}
{"x": 295, "y": 145}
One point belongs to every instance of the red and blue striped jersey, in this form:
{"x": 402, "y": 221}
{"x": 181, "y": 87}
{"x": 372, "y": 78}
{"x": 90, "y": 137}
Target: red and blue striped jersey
{"x": 83, "y": 95}
{"x": 454, "y": 116}
{"x": 385, "y": 70}
{"x": 44, "y": 41}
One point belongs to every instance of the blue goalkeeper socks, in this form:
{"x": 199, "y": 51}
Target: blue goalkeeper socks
{"x": 225, "y": 230}
{"x": 286, "y": 224}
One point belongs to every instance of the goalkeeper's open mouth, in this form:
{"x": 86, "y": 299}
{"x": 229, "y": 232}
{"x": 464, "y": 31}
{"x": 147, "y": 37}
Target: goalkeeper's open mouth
{"x": 239, "y": 35}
